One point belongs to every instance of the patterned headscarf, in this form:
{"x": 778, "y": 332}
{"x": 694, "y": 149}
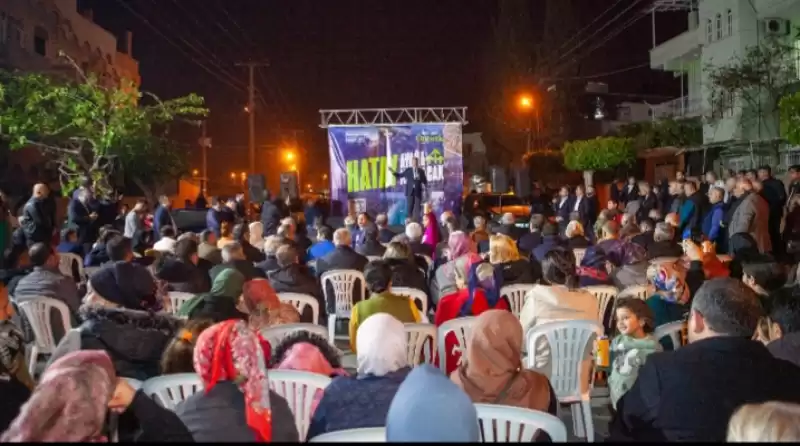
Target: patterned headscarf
{"x": 485, "y": 277}
{"x": 231, "y": 351}
{"x": 70, "y": 403}
{"x": 670, "y": 284}
{"x": 12, "y": 344}
{"x": 264, "y": 306}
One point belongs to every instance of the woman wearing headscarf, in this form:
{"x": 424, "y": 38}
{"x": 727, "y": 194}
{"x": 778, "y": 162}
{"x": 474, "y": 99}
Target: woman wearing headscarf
{"x": 504, "y": 256}
{"x": 15, "y": 381}
{"x": 236, "y": 404}
{"x": 220, "y": 303}
{"x": 363, "y": 400}
{"x": 431, "y": 235}
{"x": 72, "y": 399}
{"x": 671, "y": 299}
{"x": 122, "y": 315}
{"x": 430, "y": 408}
{"x": 308, "y": 352}
{"x": 265, "y": 309}
{"x": 462, "y": 256}
{"x": 491, "y": 370}
{"x": 479, "y": 293}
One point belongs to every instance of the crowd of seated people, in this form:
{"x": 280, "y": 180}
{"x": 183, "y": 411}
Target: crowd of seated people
{"x": 731, "y": 380}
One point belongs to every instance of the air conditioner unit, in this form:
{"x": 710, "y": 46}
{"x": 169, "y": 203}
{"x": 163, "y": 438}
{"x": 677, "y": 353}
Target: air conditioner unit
{"x": 776, "y": 27}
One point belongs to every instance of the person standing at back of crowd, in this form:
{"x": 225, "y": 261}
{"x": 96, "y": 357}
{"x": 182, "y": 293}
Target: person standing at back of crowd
{"x": 415, "y": 181}
{"x": 37, "y": 223}
{"x": 775, "y": 194}
{"x": 163, "y": 216}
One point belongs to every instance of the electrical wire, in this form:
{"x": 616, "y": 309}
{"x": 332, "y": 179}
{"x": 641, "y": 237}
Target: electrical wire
{"x": 147, "y": 22}
{"x": 598, "y": 75}
{"x": 582, "y": 30}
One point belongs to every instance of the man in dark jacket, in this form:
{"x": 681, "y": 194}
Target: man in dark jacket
{"x": 775, "y": 194}
{"x": 648, "y": 199}
{"x": 415, "y": 181}
{"x": 692, "y": 212}
{"x": 385, "y": 235}
{"x": 83, "y": 219}
{"x": 233, "y": 257}
{"x": 270, "y": 216}
{"x": 37, "y": 222}
{"x": 528, "y": 242}
{"x": 562, "y": 208}
{"x": 163, "y": 216}
{"x": 690, "y": 394}
{"x": 181, "y": 271}
{"x": 370, "y": 245}
{"x": 784, "y": 317}
{"x": 292, "y": 277}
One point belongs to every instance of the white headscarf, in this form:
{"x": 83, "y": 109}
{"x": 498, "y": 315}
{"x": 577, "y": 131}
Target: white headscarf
{"x": 256, "y": 234}
{"x": 381, "y": 345}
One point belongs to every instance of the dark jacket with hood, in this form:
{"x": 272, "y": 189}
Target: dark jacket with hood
{"x": 297, "y": 278}
{"x": 38, "y": 224}
{"x": 182, "y": 276}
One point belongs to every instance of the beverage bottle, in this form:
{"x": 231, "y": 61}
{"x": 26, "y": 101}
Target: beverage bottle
{"x": 603, "y": 357}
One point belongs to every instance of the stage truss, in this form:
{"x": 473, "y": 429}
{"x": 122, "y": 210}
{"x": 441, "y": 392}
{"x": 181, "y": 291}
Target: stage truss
{"x": 392, "y": 116}
{"x": 674, "y": 5}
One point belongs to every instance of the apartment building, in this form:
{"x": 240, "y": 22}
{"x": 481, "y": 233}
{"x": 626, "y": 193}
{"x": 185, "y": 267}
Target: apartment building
{"x": 718, "y": 32}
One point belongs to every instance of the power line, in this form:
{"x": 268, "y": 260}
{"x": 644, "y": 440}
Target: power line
{"x": 582, "y": 30}
{"x": 178, "y": 47}
{"x": 598, "y": 75}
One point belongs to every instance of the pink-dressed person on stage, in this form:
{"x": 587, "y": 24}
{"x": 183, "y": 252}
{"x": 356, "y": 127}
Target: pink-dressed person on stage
{"x": 431, "y": 235}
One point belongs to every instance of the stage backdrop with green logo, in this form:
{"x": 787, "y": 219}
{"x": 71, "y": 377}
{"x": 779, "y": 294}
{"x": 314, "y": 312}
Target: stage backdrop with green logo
{"x": 362, "y": 156}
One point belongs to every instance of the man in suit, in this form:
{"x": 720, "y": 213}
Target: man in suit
{"x": 748, "y": 217}
{"x": 415, "y": 180}
{"x": 562, "y": 209}
{"x": 690, "y": 394}
{"x": 580, "y": 205}
{"x": 83, "y": 219}
{"x": 385, "y": 235}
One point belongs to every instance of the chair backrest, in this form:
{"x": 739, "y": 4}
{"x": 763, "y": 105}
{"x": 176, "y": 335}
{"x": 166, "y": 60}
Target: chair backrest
{"x": 421, "y": 336}
{"x": 66, "y": 260}
{"x": 299, "y": 389}
{"x": 638, "y": 291}
{"x": 343, "y": 282}
{"x": 374, "y": 258}
{"x": 604, "y": 295}
{"x": 135, "y": 383}
{"x": 461, "y": 327}
{"x": 171, "y": 390}
{"x": 579, "y": 254}
{"x": 660, "y": 260}
{"x": 37, "y": 312}
{"x": 301, "y": 301}
{"x": 671, "y": 329}
{"x": 363, "y": 435}
{"x": 413, "y": 293}
{"x": 274, "y": 335}
{"x": 516, "y": 296}
{"x": 509, "y": 424}
{"x": 178, "y": 298}
{"x": 568, "y": 341}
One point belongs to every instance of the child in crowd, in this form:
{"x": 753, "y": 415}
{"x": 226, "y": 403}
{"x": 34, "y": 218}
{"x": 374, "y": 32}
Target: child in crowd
{"x": 631, "y": 346}
{"x": 178, "y": 357}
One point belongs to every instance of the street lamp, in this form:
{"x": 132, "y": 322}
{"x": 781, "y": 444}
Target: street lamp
{"x": 194, "y": 172}
{"x": 293, "y": 168}
{"x": 289, "y": 155}
{"x": 526, "y": 104}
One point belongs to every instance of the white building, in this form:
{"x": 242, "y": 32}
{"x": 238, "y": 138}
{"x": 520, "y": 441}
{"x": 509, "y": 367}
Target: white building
{"x": 718, "y": 32}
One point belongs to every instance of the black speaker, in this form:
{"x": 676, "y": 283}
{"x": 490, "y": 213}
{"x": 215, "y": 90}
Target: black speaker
{"x": 497, "y": 175}
{"x": 289, "y": 185}
{"x": 256, "y": 188}
{"x": 522, "y": 181}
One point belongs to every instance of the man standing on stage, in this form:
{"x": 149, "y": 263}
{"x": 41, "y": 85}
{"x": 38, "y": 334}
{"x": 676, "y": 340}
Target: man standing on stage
{"x": 415, "y": 180}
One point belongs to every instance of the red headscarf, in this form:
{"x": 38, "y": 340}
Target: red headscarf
{"x": 231, "y": 351}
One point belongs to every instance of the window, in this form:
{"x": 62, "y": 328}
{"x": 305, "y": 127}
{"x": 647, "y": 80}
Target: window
{"x": 709, "y": 31}
{"x": 719, "y": 26}
{"x": 730, "y": 22}
{"x": 40, "y": 41}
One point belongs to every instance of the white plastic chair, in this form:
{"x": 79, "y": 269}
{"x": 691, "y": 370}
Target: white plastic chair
{"x": 37, "y": 312}
{"x": 638, "y": 291}
{"x": 579, "y": 254}
{"x": 300, "y": 302}
{"x": 177, "y": 299}
{"x": 568, "y": 342}
{"x": 135, "y": 383}
{"x": 414, "y": 294}
{"x": 421, "y": 338}
{"x": 660, "y": 260}
{"x": 274, "y": 335}
{"x": 462, "y": 327}
{"x": 671, "y": 329}
{"x": 374, "y": 258}
{"x": 604, "y": 295}
{"x": 516, "y": 296}
{"x": 509, "y": 424}
{"x": 299, "y": 389}
{"x": 171, "y": 390}
{"x": 363, "y": 435}
{"x": 65, "y": 262}
{"x": 343, "y": 282}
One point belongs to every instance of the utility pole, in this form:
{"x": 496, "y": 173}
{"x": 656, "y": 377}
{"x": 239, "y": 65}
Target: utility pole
{"x": 251, "y": 108}
{"x": 205, "y": 143}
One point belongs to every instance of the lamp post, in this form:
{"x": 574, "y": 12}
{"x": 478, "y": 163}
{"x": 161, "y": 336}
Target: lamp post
{"x": 526, "y": 105}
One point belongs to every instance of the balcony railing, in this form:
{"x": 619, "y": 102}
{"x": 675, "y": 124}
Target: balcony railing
{"x": 683, "y": 107}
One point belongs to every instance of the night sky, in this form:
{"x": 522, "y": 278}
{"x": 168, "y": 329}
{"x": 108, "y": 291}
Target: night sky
{"x": 339, "y": 54}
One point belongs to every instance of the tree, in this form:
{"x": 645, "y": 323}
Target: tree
{"x": 668, "y": 132}
{"x": 790, "y": 118}
{"x": 91, "y": 130}
{"x": 601, "y": 153}
{"x": 755, "y": 83}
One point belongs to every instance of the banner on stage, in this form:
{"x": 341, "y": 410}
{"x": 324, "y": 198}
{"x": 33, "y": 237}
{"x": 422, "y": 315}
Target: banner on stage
{"x": 361, "y": 159}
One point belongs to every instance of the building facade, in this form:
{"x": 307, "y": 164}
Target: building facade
{"x": 720, "y": 32}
